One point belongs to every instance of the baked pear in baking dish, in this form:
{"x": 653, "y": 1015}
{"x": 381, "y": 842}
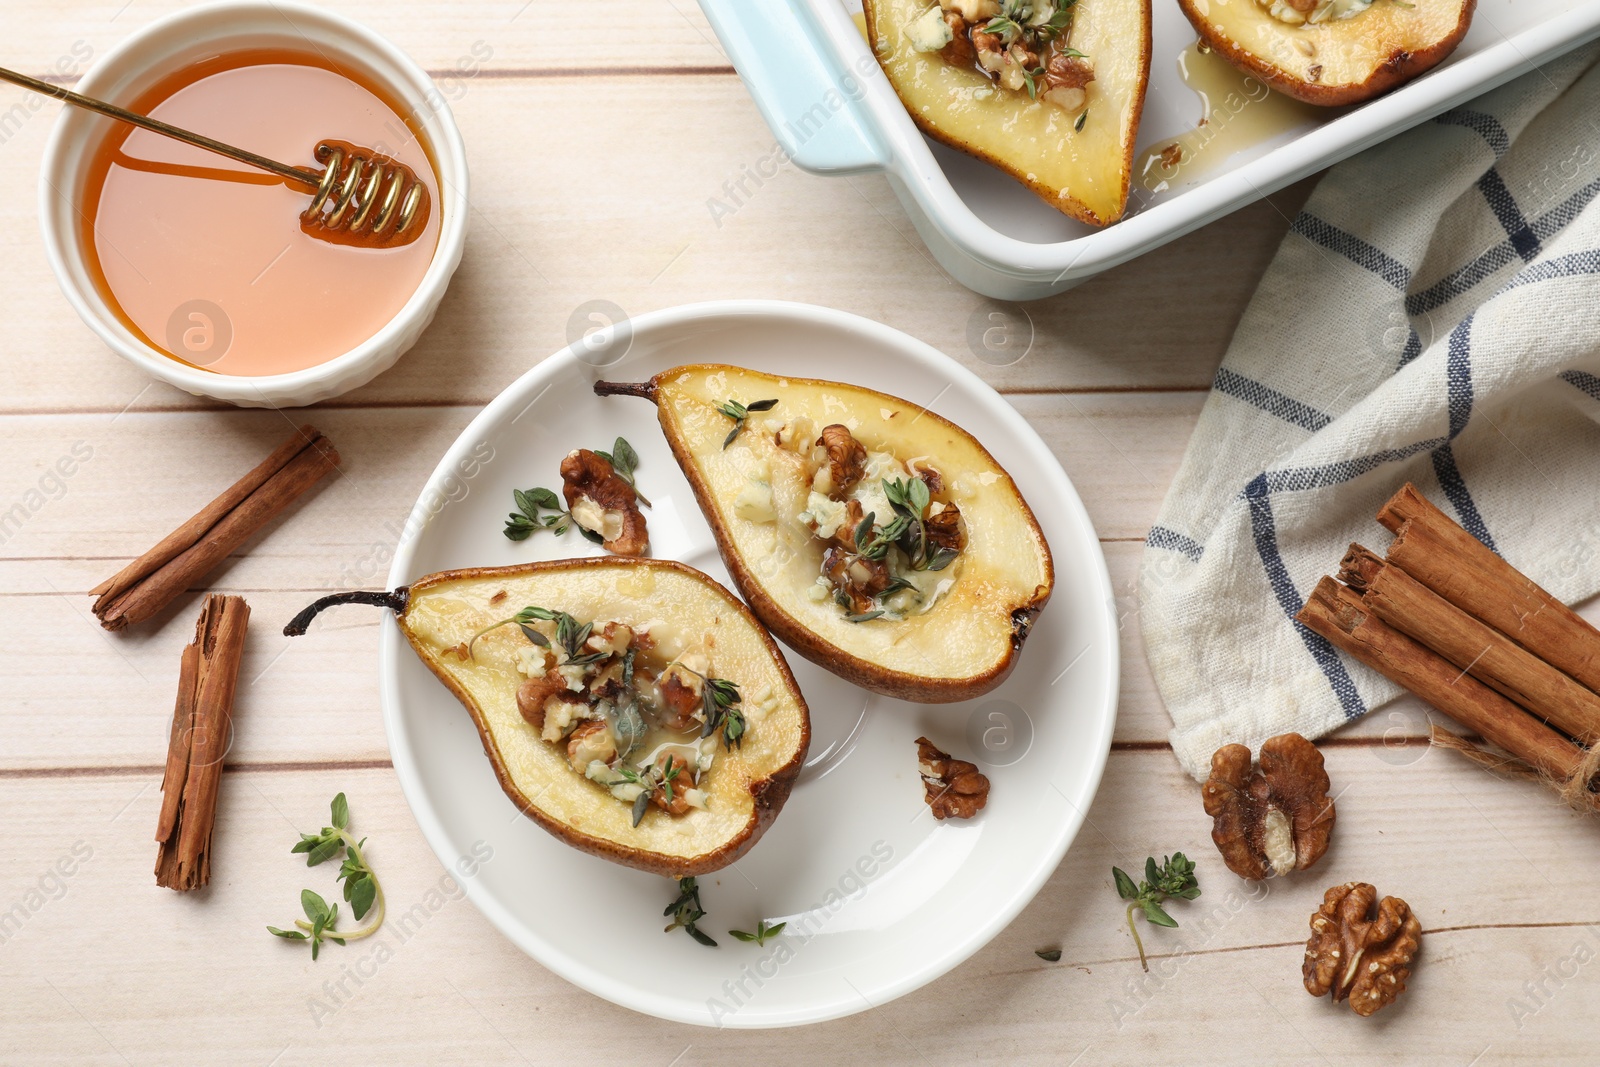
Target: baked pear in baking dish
{"x": 874, "y": 537}
{"x": 631, "y": 707}
{"x": 1049, "y": 91}
{"x": 1331, "y": 51}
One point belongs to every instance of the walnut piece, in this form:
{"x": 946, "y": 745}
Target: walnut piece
{"x": 953, "y": 788}
{"x": 847, "y": 459}
{"x": 1275, "y": 820}
{"x": 602, "y": 502}
{"x": 1360, "y": 948}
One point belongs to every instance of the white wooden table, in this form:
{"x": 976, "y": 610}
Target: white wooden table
{"x": 591, "y": 176}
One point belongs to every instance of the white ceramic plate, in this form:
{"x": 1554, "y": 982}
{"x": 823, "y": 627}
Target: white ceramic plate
{"x": 879, "y": 897}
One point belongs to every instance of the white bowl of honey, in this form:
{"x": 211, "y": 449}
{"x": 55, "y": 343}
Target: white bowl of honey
{"x": 198, "y": 268}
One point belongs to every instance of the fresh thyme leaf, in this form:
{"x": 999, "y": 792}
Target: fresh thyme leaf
{"x": 315, "y": 907}
{"x": 340, "y": 811}
{"x": 590, "y": 535}
{"x": 686, "y": 911}
{"x": 527, "y": 520}
{"x": 641, "y": 804}
{"x": 1173, "y": 878}
{"x": 1078, "y": 126}
{"x": 626, "y": 459}
{"x": 939, "y": 559}
{"x": 293, "y": 935}
{"x": 763, "y": 934}
{"x": 1003, "y": 28}
{"x": 1049, "y": 955}
{"x": 865, "y": 616}
{"x": 739, "y": 413}
{"x": 535, "y": 636}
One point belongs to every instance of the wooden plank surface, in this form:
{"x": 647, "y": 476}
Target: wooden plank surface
{"x": 593, "y": 181}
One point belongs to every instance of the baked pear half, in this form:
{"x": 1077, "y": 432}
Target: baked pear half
{"x": 1331, "y": 52}
{"x": 633, "y": 708}
{"x": 1049, "y": 91}
{"x": 878, "y": 540}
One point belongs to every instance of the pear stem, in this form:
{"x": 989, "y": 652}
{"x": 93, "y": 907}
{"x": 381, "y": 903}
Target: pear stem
{"x": 643, "y": 390}
{"x": 395, "y": 602}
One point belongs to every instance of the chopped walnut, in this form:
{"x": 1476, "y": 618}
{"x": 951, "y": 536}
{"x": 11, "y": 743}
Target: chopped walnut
{"x": 533, "y": 694}
{"x": 953, "y": 788}
{"x": 681, "y": 697}
{"x": 602, "y": 502}
{"x": 1068, "y": 72}
{"x": 1275, "y": 820}
{"x": 590, "y": 741}
{"x": 959, "y": 51}
{"x": 681, "y": 781}
{"x": 919, "y": 467}
{"x": 1360, "y": 948}
{"x": 847, "y": 459}
{"x": 855, "y": 577}
{"x": 944, "y": 530}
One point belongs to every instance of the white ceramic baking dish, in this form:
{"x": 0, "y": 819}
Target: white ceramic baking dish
{"x": 832, "y": 111}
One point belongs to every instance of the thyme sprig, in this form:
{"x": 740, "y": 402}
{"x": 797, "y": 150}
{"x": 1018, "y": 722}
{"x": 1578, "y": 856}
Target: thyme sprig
{"x": 530, "y": 517}
{"x": 1174, "y": 878}
{"x": 739, "y": 413}
{"x": 361, "y": 889}
{"x": 686, "y": 911}
{"x": 570, "y": 634}
{"x": 763, "y": 934}
{"x": 720, "y": 702}
{"x": 652, "y": 780}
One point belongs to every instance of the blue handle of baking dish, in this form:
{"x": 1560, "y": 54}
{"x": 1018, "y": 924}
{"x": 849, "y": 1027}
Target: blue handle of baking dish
{"x": 809, "y": 100}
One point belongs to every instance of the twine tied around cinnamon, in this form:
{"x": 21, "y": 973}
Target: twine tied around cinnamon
{"x": 1577, "y": 791}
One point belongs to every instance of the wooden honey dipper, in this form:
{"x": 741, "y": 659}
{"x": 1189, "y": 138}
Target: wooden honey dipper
{"x": 359, "y": 196}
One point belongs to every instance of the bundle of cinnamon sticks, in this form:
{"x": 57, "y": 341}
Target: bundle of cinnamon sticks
{"x": 1448, "y": 619}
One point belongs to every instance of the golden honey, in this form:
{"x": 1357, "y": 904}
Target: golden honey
{"x": 204, "y": 258}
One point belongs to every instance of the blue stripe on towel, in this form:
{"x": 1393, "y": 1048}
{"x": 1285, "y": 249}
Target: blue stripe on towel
{"x": 1458, "y": 372}
{"x": 1266, "y": 537}
{"x": 1162, "y": 537}
{"x": 1269, "y": 400}
{"x": 1505, "y": 208}
{"x": 1412, "y": 350}
{"x": 1582, "y": 379}
{"x": 1296, "y": 479}
{"x": 1352, "y": 248}
{"x": 1568, "y": 266}
{"x": 1462, "y": 279}
{"x": 1486, "y": 126}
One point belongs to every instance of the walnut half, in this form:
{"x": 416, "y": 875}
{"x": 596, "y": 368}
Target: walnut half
{"x": 1275, "y": 820}
{"x": 953, "y": 788}
{"x": 1360, "y": 948}
{"x": 602, "y": 502}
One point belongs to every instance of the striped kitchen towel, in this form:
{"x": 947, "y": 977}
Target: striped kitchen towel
{"x": 1433, "y": 316}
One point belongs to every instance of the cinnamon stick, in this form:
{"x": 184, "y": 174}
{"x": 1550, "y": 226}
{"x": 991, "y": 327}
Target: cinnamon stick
{"x": 152, "y": 581}
{"x": 202, "y": 724}
{"x": 1482, "y": 651}
{"x": 1437, "y": 552}
{"x": 1338, "y": 614}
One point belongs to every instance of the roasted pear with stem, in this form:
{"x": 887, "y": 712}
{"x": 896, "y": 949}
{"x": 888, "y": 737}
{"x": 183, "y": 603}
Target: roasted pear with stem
{"x": 631, "y": 707}
{"x": 1049, "y": 91}
{"x": 874, "y": 537}
{"x": 1331, "y": 51}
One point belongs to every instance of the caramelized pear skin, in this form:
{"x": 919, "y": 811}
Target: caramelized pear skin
{"x": 1078, "y": 161}
{"x": 682, "y": 609}
{"x": 1339, "y": 60}
{"x": 966, "y": 634}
